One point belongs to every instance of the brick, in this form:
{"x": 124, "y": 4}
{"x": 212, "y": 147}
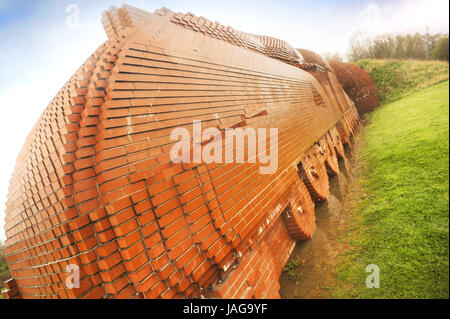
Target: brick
{"x": 95, "y": 184}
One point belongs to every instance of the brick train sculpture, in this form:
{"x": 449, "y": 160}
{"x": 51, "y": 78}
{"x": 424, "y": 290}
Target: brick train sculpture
{"x": 357, "y": 84}
{"x": 98, "y": 209}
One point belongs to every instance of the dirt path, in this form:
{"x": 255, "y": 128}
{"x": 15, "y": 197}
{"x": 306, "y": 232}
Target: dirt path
{"x": 313, "y": 262}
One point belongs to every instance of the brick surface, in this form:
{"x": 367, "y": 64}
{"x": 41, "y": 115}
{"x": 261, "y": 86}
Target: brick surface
{"x": 94, "y": 185}
{"x": 358, "y": 85}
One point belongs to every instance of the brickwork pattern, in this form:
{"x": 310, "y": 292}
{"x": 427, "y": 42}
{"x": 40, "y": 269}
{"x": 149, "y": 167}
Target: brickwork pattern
{"x": 115, "y": 20}
{"x": 94, "y": 185}
{"x": 358, "y": 85}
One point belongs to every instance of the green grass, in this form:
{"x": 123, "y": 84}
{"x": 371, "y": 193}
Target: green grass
{"x": 291, "y": 270}
{"x": 402, "y": 224}
{"x": 395, "y": 79}
{"x": 4, "y": 275}
{"x": 4, "y": 271}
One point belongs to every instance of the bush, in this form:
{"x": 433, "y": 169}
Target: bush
{"x": 3, "y": 264}
{"x": 415, "y": 46}
{"x": 440, "y": 51}
{"x": 4, "y": 270}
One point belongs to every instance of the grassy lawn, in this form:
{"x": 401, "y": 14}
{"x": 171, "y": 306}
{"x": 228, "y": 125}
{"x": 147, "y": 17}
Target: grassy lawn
{"x": 402, "y": 224}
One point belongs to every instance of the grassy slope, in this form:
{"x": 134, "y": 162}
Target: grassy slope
{"x": 395, "y": 79}
{"x": 403, "y": 221}
{"x": 4, "y": 272}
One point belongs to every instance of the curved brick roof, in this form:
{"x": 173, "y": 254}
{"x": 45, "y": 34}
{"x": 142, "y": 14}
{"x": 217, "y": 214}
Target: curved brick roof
{"x": 115, "y": 20}
{"x": 94, "y": 185}
{"x": 314, "y": 58}
{"x": 358, "y": 85}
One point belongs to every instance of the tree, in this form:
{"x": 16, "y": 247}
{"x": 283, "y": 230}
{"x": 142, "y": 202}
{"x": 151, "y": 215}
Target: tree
{"x": 397, "y": 46}
{"x": 430, "y": 41}
{"x": 3, "y": 264}
{"x": 336, "y": 56}
{"x": 415, "y": 47}
{"x": 4, "y": 269}
{"x": 382, "y": 46}
{"x": 359, "y": 46}
{"x": 440, "y": 51}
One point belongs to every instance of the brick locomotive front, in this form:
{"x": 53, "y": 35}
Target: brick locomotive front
{"x": 95, "y": 187}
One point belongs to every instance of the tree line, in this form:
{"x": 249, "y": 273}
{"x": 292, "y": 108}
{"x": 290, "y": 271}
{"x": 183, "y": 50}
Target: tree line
{"x": 415, "y": 46}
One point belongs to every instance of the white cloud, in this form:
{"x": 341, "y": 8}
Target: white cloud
{"x": 405, "y": 16}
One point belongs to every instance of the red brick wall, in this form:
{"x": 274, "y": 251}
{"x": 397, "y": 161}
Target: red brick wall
{"x": 94, "y": 185}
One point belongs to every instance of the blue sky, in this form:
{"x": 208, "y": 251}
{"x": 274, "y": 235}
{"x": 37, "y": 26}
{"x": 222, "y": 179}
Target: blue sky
{"x": 40, "y": 51}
